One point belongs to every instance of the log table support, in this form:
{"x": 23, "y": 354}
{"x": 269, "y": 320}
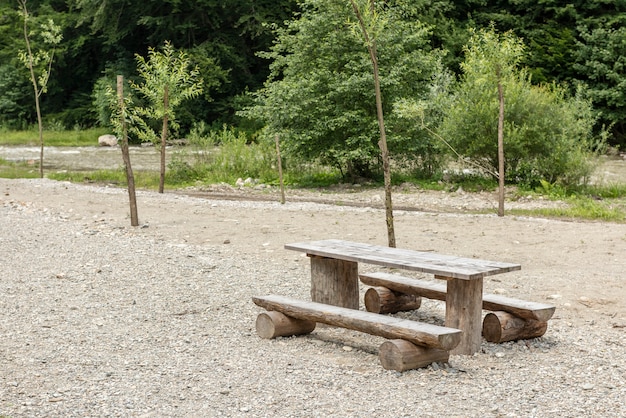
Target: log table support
{"x": 382, "y": 300}
{"x": 335, "y": 282}
{"x": 464, "y": 301}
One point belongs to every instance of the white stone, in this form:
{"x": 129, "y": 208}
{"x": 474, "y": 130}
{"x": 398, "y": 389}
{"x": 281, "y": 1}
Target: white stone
{"x": 107, "y": 140}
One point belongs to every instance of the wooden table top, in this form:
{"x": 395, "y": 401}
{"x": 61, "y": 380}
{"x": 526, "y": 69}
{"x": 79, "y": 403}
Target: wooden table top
{"x": 422, "y": 261}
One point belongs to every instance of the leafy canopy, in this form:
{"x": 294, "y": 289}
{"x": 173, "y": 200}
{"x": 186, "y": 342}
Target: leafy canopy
{"x": 547, "y": 135}
{"x": 164, "y": 74}
{"x": 320, "y": 98}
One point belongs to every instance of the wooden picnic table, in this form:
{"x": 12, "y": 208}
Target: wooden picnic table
{"x": 335, "y": 279}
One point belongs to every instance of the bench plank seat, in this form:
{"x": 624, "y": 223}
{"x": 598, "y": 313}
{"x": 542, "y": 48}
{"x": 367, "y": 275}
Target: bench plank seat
{"x": 430, "y": 290}
{"x": 427, "y": 262}
{"x": 422, "y": 334}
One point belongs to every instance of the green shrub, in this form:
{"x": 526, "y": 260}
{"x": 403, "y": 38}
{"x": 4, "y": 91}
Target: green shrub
{"x": 547, "y": 135}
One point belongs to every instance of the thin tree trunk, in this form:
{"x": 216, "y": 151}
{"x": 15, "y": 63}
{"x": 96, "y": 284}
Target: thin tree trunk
{"x": 130, "y": 178}
{"x": 391, "y": 235}
{"x": 382, "y": 143}
{"x": 33, "y": 80}
{"x": 163, "y": 138}
{"x": 280, "y": 171}
{"x": 501, "y": 150}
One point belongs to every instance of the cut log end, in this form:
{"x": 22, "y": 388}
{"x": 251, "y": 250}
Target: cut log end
{"x": 382, "y": 300}
{"x": 274, "y": 324}
{"x": 499, "y": 327}
{"x": 401, "y": 355}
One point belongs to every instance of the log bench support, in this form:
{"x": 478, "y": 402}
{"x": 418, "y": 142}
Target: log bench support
{"x": 499, "y": 327}
{"x": 512, "y": 319}
{"x": 412, "y": 344}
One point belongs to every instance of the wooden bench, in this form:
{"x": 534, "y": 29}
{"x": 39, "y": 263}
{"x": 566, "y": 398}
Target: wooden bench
{"x": 512, "y": 319}
{"x": 335, "y": 281}
{"x": 413, "y": 344}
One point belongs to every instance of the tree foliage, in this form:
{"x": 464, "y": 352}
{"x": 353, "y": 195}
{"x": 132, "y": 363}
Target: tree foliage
{"x": 320, "y": 96}
{"x": 547, "y": 134}
{"x": 38, "y": 61}
{"x": 166, "y": 81}
{"x": 568, "y": 43}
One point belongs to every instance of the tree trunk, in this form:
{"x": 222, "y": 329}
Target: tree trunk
{"x": 500, "y": 150}
{"x": 391, "y": 234}
{"x": 33, "y": 80}
{"x": 130, "y": 178}
{"x": 280, "y": 172}
{"x": 164, "y": 138}
{"x": 382, "y": 143}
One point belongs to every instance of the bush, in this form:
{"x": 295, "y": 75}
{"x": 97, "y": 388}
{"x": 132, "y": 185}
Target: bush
{"x": 223, "y": 156}
{"x": 547, "y": 135}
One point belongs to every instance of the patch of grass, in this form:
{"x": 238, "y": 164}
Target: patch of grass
{"x": 12, "y": 170}
{"x": 143, "y": 179}
{"x": 73, "y": 138}
{"x": 610, "y": 210}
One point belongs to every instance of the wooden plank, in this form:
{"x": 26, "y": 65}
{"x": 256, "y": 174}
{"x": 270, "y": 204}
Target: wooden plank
{"x": 463, "y": 311}
{"x": 427, "y": 262}
{"x": 418, "y": 333}
{"x": 521, "y": 308}
{"x": 335, "y": 282}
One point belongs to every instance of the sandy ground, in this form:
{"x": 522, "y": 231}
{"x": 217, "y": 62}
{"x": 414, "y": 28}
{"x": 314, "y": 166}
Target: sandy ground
{"x": 103, "y": 319}
{"x": 579, "y": 266}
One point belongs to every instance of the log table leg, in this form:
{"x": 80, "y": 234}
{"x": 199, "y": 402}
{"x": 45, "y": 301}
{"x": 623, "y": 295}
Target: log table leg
{"x": 464, "y": 301}
{"x": 335, "y": 282}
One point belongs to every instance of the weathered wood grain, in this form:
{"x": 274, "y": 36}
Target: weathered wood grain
{"x": 335, "y": 282}
{"x": 427, "y": 262}
{"x": 401, "y": 355}
{"x": 382, "y": 300}
{"x": 274, "y": 324}
{"x": 384, "y": 326}
{"x": 523, "y": 309}
{"x": 499, "y": 327}
{"x": 464, "y": 312}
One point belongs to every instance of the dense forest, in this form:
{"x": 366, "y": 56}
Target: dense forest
{"x": 572, "y": 44}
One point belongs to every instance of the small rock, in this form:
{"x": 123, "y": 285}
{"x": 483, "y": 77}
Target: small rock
{"x": 347, "y": 348}
{"x": 499, "y": 354}
{"x": 107, "y": 140}
{"x": 554, "y": 297}
{"x": 226, "y": 241}
{"x": 587, "y": 386}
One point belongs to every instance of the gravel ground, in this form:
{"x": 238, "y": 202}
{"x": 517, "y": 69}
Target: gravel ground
{"x": 99, "y": 319}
